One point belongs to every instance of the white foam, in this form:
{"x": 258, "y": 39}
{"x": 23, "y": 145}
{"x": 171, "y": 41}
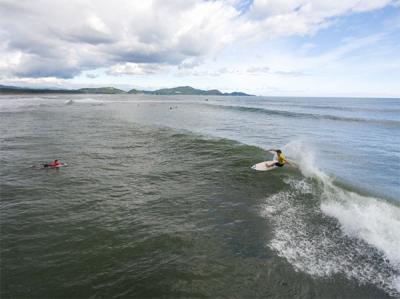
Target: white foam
{"x": 372, "y": 220}
{"x": 305, "y": 158}
{"x": 323, "y": 250}
{"x": 300, "y": 185}
{"x": 322, "y": 229}
{"x": 89, "y": 101}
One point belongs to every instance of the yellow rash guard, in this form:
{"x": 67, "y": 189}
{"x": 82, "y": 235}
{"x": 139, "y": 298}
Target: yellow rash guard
{"x": 281, "y": 159}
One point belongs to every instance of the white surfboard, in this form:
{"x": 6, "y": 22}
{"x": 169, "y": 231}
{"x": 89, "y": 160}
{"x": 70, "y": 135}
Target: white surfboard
{"x": 265, "y": 166}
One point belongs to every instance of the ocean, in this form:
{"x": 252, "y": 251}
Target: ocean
{"x": 158, "y": 198}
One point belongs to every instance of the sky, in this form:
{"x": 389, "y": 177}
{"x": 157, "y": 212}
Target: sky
{"x": 263, "y": 47}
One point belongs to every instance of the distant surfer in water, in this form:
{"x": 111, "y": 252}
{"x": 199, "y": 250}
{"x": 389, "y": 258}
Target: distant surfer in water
{"x": 55, "y": 163}
{"x": 281, "y": 158}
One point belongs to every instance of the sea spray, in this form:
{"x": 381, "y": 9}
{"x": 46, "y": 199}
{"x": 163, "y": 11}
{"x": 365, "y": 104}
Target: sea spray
{"x": 305, "y": 157}
{"x": 372, "y": 220}
{"x": 361, "y": 240}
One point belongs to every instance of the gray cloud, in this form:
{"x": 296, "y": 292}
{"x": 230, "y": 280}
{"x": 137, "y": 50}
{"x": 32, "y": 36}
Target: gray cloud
{"x": 46, "y": 38}
{"x": 91, "y": 76}
{"x": 63, "y": 38}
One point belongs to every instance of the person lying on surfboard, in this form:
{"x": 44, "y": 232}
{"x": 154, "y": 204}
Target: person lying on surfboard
{"x": 55, "y": 163}
{"x": 281, "y": 159}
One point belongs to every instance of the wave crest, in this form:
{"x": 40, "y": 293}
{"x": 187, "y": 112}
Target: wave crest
{"x": 323, "y": 229}
{"x": 292, "y": 114}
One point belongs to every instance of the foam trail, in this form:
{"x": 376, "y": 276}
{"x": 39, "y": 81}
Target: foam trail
{"x": 372, "y": 220}
{"x": 357, "y": 236}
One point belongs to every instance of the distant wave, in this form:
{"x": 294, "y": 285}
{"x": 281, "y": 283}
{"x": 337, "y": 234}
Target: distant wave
{"x": 17, "y": 104}
{"x": 347, "y": 108}
{"x": 85, "y": 101}
{"x": 307, "y": 115}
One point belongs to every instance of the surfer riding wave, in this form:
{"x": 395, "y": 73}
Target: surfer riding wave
{"x": 281, "y": 159}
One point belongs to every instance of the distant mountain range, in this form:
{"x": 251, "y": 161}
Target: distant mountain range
{"x": 181, "y": 90}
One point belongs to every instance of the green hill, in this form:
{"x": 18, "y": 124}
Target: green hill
{"x": 181, "y": 90}
{"x": 188, "y": 90}
{"x": 101, "y": 90}
{"x": 137, "y": 91}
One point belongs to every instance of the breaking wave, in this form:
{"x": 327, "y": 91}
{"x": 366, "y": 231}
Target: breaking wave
{"x": 324, "y": 229}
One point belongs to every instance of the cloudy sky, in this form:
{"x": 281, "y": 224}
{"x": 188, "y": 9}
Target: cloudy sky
{"x": 265, "y": 47}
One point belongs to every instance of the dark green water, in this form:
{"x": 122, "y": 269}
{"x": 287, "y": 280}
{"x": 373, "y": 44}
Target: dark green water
{"x": 146, "y": 211}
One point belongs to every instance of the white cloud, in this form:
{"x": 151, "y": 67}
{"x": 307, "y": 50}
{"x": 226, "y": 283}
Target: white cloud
{"x": 82, "y": 35}
{"x": 43, "y": 81}
{"x": 135, "y": 69}
{"x": 201, "y": 72}
{"x": 47, "y": 38}
{"x": 262, "y": 70}
{"x": 289, "y": 17}
{"x": 336, "y": 54}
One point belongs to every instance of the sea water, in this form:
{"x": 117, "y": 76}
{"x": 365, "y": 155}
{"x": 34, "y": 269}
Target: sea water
{"x": 158, "y": 199}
